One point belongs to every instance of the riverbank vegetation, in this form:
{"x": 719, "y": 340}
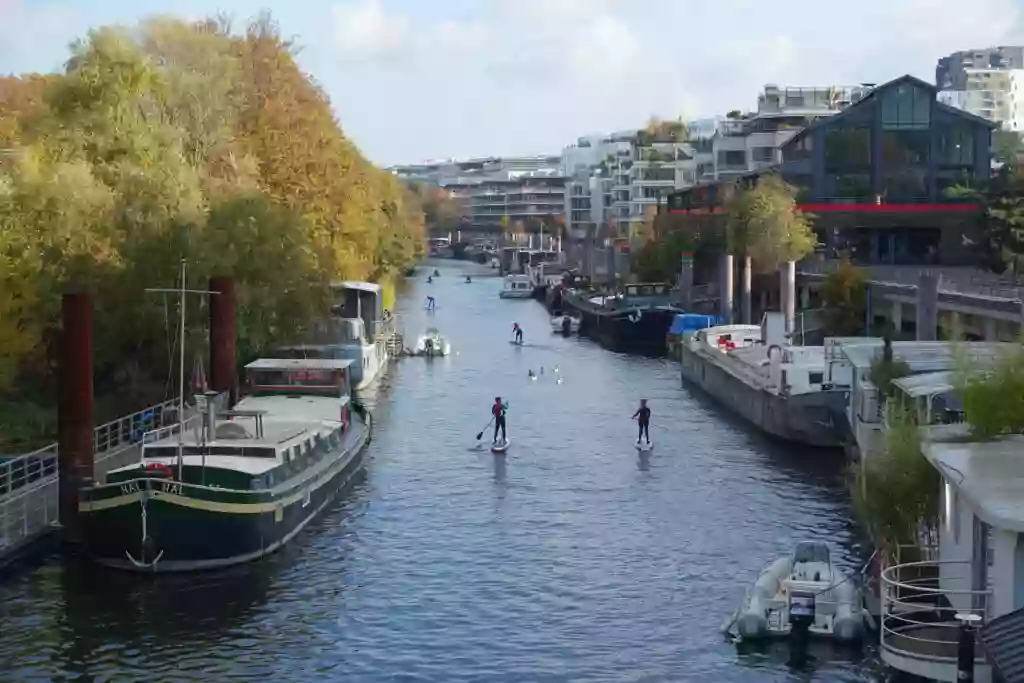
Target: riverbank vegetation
{"x": 992, "y": 394}
{"x": 177, "y": 140}
{"x": 896, "y": 490}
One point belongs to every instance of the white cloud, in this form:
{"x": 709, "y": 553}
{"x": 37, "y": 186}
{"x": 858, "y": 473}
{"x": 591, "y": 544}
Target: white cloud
{"x": 365, "y": 31}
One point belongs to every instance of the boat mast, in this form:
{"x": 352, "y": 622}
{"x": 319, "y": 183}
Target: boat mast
{"x": 181, "y": 292}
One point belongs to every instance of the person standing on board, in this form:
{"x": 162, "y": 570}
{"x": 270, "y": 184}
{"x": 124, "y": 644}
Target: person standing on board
{"x": 430, "y": 303}
{"x": 498, "y": 411}
{"x": 643, "y": 421}
{"x": 518, "y": 332}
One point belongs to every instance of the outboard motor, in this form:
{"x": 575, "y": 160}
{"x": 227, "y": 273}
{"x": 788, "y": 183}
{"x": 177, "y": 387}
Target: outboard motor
{"x": 801, "y": 616}
{"x": 566, "y": 325}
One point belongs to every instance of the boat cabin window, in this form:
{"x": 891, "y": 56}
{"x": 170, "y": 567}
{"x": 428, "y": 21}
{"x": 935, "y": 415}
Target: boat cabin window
{"x": 304, "y": 381}
{"x": 172, "y": 451}
{"x": 815, "y": 377}
{"x": 811, "y": 552}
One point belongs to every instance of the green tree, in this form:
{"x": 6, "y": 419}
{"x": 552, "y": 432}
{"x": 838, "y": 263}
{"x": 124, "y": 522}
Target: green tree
{"x": 992, "y": 394}
{"x": 886, "y": 369}
{"x": 1007, "y": 146}
{"x": 765, "y": 223}
{"x": 1002, "y": 199}
{"x": 895, "y": 491}
{"x": 844, "y": 295}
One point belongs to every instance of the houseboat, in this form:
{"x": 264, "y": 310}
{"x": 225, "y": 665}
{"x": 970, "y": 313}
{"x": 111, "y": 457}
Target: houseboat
{"x": 362, "y": 330}
{"x": 976, "y": 566}
{"x": 757, "y": 374}
{"x": 635, "y": 320}
{"x": 230, "y": 486}
{"x": 517, "y": 287}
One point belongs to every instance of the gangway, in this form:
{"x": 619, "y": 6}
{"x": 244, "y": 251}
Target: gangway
{"x": 29, "y": 490}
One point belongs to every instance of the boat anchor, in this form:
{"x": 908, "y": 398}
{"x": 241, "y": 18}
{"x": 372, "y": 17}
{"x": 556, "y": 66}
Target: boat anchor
{"x": 148, "y": 544}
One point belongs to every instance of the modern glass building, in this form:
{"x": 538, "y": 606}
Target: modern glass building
{"x": 877, "y": 176}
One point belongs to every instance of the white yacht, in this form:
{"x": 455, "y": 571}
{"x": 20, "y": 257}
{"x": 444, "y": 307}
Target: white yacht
{"x": 517, "y": 287}
{"x": 364, "y": 331}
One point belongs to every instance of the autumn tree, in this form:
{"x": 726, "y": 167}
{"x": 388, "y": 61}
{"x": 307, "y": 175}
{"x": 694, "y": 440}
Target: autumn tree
{"x": 765, "y": 223}
{"x": 844, "y": 296}
{"x": 180, "y": 140}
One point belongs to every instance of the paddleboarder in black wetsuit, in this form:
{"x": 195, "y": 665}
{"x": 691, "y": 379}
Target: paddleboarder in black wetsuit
{"x": 643, "y": 421}
{"x": 519, "y": 333}
{"x": 498, "y": 411}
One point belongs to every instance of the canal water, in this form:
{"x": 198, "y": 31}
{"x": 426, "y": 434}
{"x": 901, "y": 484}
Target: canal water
{"x": 569, "y": 560}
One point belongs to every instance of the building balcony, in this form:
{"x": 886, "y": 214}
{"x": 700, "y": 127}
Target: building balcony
{"x": 919, "y": 630}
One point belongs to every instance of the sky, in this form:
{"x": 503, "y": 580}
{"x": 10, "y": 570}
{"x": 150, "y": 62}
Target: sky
{"x": 414, "y": 80}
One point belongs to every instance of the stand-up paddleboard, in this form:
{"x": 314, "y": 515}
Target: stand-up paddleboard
{"x": 513, "y": 342}
{"x": 643, "y": 446}
{"x": 500, "y": 447}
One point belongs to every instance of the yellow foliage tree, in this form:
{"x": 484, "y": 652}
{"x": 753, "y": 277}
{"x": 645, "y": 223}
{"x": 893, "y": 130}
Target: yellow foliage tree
{"x": 181, "y": 140}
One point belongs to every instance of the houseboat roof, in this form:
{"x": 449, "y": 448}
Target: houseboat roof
{"x": 299, "y": 364}
{"x": 922, "y": 356}
{"x": 989, "y": 474}
{"x": 928, "y": 384}
{"x": 353, "y": 284}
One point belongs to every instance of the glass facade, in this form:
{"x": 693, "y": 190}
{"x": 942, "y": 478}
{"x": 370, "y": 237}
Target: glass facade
{"x": 895, "y": 146}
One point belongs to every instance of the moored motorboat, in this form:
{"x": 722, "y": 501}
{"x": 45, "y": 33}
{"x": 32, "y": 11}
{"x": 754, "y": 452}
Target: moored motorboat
{"x": 565, "y": 324}
{"x": 432, "y": 343}
{"x": 517, "y": 287}
{"x": 805, "y": 584}
{"x": 227, "y": 487}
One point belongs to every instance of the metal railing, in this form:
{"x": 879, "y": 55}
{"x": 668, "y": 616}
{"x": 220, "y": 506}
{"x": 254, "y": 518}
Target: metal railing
{"x": 918, "y": 626}
{"x": 29, "y": 501}
{"x": 954, "y": 279}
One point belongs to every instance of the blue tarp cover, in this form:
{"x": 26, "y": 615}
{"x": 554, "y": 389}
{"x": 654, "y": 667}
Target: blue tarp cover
{"x": 691, "y": 322}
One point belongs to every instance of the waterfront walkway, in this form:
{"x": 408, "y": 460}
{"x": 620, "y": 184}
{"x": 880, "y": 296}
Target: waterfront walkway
{"x": 29, "y": 492}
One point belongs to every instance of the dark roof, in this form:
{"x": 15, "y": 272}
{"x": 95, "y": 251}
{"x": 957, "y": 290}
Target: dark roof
{"x": 1003, "y": 638}
{"x": 907, "y": 78}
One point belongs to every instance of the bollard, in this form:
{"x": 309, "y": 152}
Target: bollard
{"x": 965, "y": 648}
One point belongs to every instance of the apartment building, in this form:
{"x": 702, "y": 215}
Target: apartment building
{"x": 951, "y": 71}
{"x": 492, "y": 191}
{"x": 744, "y": 143}
{"x": 993, "y": 94}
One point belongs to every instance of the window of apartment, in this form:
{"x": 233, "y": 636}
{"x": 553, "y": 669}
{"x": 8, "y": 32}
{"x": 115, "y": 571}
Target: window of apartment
{"x": 847, "y": 146}
{"x": 901, "y": 148}
{"x": 797, "y": 151}
{"x": 955, "y": 146}
{"x": 732, "y": 158}
{"x": 848, "y": 186}
{"x": 904, "y": 185}
{"x": 763, "y": 154}
{"x": 906, "y": 106}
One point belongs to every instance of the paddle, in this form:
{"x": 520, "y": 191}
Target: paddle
{"x": 481, "y": 434}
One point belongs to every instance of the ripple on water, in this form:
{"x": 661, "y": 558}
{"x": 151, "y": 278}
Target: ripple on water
{"x": 570, "y": 559}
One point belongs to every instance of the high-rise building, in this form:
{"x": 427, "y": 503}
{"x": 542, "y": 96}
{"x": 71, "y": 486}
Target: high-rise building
{"x": 988, "y": 83}
{"x": 951, "y": 71}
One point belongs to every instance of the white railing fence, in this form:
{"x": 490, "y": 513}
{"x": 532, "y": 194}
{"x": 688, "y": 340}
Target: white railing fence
{"x": 919, "y": 616}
